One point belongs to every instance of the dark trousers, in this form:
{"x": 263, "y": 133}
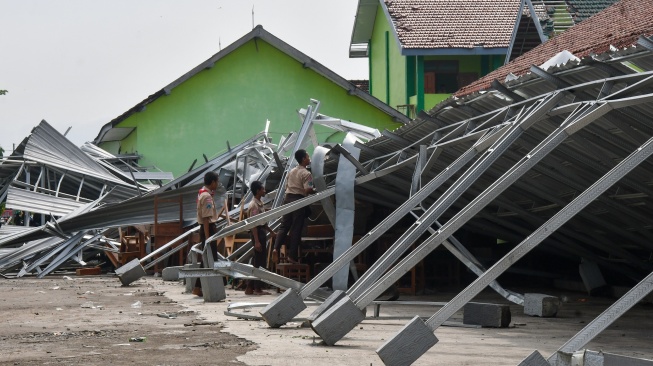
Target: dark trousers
{"x": 214, "y": 246}
{"x": 292, "y": 222}
{"x": 260, "y": 257}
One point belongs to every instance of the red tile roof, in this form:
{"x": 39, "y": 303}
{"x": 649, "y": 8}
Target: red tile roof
{"x": 619, "y": 25}
{"x": 453, "y": 23}
{"x": 363, "y": 85}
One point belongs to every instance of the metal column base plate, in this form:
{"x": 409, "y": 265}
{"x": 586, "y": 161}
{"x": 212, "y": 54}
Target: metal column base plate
{"x": 337, "y": 321}
{"x": 190, "y": 282}
{"x": 283, "y": 308}
{"x": 534, "y": 359}
{"x": 171, "y": 273}
{"x": 130, "y": 272}
{"x": 412, "y": 341}
{"x": 336, "y": 296}
{"x": 213, "y": 289}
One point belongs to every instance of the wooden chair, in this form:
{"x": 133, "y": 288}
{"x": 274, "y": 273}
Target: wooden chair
{"x": 131, "y": 246}
{"x": 231, "y": 242}
{"x": 296, "y": 271}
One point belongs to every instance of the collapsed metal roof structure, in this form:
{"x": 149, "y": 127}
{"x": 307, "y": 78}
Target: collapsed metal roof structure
{"x": 83, "y": 195}
{"x": 556, "y": 161}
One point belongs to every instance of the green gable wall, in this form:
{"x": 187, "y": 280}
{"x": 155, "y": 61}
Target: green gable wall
{"x": 231, "y": 102}
{"x": 388, "y": 74}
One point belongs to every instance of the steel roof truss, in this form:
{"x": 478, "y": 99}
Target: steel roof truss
{"x": 357, "y": 292}
{"x": 605, "y": 319}
{"x": 518, "y": 252}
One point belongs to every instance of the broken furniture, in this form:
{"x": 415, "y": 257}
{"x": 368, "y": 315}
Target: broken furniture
{"x": 232, "y": 242}
{"x": 164, "y": 232}
{"x": 131, "y": 246}
{"x": 296, "y": 271}
{"x": 134, "y": 270}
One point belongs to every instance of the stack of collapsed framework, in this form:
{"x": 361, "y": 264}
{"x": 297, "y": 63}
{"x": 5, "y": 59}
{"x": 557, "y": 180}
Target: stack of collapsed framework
{"x": 570, "y": 145}
{"x": 74, "y": 200}
{"x": 78, "y": 198}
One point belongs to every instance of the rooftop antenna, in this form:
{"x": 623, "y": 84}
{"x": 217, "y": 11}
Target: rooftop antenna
{"x": 252, "y": 16}
{"x": 219, "y": 40}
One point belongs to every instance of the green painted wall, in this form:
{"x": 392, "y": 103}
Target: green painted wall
{"x": 388, "y": 63}
{"x": 430, "y": 100}
{"x": 411, "y": 77}
{"x": 231, "y": 101}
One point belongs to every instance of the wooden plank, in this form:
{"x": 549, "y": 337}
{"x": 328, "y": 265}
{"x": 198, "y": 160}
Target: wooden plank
{"x": 91, "y": 271}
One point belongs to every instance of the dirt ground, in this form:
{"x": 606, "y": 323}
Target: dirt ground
{"x": 71, "y": 320}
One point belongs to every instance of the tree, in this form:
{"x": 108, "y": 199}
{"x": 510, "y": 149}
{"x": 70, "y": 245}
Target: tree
{"x": 3, "y": 92}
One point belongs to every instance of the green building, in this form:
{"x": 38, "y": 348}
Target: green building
{"x": 420, "y": 52}
{"x": 229, "y": 97}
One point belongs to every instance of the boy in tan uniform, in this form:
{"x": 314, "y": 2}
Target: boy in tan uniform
{"x": 258, "y": 237}
{"x": 298, "y": 185}
{"x": 207, "y": 215}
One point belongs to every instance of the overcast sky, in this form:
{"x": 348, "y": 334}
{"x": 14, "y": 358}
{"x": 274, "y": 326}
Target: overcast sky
{"x": 81, "y": 63}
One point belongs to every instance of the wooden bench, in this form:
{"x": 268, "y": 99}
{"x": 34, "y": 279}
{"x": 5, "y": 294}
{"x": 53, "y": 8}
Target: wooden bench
{"x": 296, "y": 271}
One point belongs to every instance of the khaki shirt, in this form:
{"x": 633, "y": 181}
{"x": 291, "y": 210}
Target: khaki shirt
{"x": 255, "y": 207}
{"x": 206, "y": 207}
{"x": 299, "y": 179}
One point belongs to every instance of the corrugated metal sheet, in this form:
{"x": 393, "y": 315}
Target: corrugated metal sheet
{"x": 26, "y": 200}
{"x": 46, "y": 145}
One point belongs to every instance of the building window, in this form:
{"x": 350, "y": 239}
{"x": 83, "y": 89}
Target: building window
{"x": 442, "y": 77}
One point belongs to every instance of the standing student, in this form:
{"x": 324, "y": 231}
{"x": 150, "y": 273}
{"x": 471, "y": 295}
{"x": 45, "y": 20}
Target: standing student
{"x": 258, "y": 234}
{"x": 298, "y": 185}
{"x": 207, "y": 215}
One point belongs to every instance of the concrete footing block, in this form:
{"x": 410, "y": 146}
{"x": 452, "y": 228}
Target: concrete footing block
{"x": 130, "y": 272}
{"x": 591, "y": 275}
{"x": 190, "y": 282}
{"x": 587, "y": 357}
{"x": 534, "y": 359}
{"x": 213, "y": 289}
{"x": 487, "y": 315}
{"x": 283, "y": 308}
{"x": 412, "y": 341}
{"x": 171, "y": 273}
{"x": 337, "y": 321}
{"x": 541, "y": 305}
{"x": 611, "y": 359}
{"x": 336, "y": 296}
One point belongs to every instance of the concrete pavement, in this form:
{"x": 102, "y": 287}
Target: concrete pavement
{"x": 297, "y": 345}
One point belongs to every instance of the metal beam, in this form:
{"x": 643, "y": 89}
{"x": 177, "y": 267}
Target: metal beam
{"x": 590, "y": 194}
{"x": 282, "y": 313}
{"x": 605, "y": 319}
{"x": 337, "y": 321}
